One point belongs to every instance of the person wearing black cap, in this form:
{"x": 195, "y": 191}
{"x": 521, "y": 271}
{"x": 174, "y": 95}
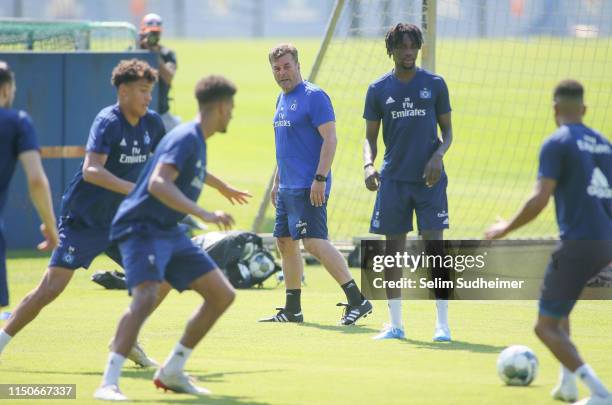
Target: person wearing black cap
{"x": 150, "y": 35}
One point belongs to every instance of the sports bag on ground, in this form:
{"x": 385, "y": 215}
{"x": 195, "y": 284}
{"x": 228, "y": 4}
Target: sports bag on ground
{"x": 240, "y": 255}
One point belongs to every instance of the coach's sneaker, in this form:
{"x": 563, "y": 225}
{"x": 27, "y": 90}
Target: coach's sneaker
{"x": 442, "y": 335}
{"x": 595, "y": 401}
{"x": 109, "y": 393}
{"x": 567, "y": 392}
{"x": 389, "y": 332}
{"x": 179, "y": 382}
{"x": 353, "y": 313}
{"x": 284, "y": 316}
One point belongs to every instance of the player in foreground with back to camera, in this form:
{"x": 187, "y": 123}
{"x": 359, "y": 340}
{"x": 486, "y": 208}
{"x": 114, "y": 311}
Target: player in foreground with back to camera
{"x": 120, "y": 141}
{"x": 305, "y": 136}
{"x": 411, "y": 103}
{"x": 154, "y": 248}
{"x": 18, "y": 142}
{"x": 575, "y": 166}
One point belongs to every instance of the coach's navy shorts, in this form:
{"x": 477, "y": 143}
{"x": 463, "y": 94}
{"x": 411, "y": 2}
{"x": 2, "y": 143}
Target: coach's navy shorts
{"x": 155, "y": 256}
{"x": 571, "y": 266}
{"x": 79, "y": 245}
{"x": 297, "y": 217}
{"x": 397, "y": 200}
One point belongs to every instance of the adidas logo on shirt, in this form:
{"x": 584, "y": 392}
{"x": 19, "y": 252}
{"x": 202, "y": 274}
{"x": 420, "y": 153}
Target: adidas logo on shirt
{"x": 390, "y": 100}
{"x": 599, "y": 187}
{"x": 123, "y": 142}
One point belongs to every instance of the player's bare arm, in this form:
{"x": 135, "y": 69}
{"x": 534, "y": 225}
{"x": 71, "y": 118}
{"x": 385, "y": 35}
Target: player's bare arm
{"x": 40, "y": 194}
{"x": 328, "y": 150}
{"x": 233, "y": 195}
{"x": 371, "y": 175}
{"x": 433, "y": 168}
{"x": 94, "y": 172}
{"x": 544, "y": 188}
{"x": 161, "y": 186}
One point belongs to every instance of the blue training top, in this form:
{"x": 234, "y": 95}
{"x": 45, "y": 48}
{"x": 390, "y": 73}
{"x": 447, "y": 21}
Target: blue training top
{"x": 128, "y": 148}
{"x": 298, "y": 142}
{"x": 17, "y": 135}
{"x": 409, "y": 113}
{"x": 580, "y": 160}
{"x": 185, "y": 148}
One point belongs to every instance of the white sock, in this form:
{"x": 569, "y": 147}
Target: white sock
{"x": 175, "y": 363}
{"x": 395, "y": 312}
{"x": 442, "y": 314}
{"x": 590, "y": 379}
{"x": 113, "y": 369}
{"x": 566, "y": 376}
{"x": 5, "y": 338}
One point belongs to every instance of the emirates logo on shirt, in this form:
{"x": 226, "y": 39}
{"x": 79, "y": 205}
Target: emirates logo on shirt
{"x": 408, "y": 110}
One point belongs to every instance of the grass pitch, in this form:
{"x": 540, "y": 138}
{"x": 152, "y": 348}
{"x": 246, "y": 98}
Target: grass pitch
{"x": 500, "y": 92}
{"x": 245, "y": 362}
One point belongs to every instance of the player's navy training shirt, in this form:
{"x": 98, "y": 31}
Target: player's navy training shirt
{"x": 128, "y": 148}
{"x": 17, "y": 135}
{"x": 409, "y": 113}
{"x": 580, "y": 160}
{"x": 298, "y": 142}
{"x": 183, "y": 147}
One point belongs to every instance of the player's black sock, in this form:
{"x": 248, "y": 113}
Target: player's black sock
{"x": 293, "y": 301}
{"x": 353, "y": 295}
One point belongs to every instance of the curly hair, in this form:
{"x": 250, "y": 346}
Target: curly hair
{"x": 395, "y": 36}
{"x": 214, "y": 88}
{"x": 132, "y": 70}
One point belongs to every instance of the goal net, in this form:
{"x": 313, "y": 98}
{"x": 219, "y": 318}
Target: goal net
{"x": 49, "y": 36}
{"x": 501, "y": 61}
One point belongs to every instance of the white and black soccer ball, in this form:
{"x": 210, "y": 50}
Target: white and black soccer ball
{"x": 517, "y": 365}
{"x": 260, "y": 264}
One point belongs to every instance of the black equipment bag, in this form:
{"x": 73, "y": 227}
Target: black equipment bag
{"x": 241, "y": 256}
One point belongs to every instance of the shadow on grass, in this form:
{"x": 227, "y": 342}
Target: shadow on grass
{"x": 455, "y": 345}
{"x": 147, "y": 374}
{"x": 173, "y": 398}
{"x": 144, "y": 373}
{"x": 338, "y": 328}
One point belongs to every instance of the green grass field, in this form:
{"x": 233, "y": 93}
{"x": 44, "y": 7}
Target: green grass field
{"x": 500, "y": 92}
{"x": 245, "y": 362}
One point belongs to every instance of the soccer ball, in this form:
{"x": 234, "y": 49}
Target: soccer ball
{"x": 517, "y": 365}
{"x": 260, "y": 264}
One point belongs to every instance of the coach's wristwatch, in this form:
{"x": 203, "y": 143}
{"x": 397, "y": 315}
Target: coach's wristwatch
{"x": 321, "y": 178}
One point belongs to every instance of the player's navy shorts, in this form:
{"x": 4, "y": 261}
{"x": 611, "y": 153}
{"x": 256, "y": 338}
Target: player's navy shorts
{"x": 571, "y": 266}
{"x": 297, "y": 217}
{"x": 4, "y": 294}
{"x": 397, "y": 200}
{"x": 159, "y": 255}
{"x": 79, "y": 245}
